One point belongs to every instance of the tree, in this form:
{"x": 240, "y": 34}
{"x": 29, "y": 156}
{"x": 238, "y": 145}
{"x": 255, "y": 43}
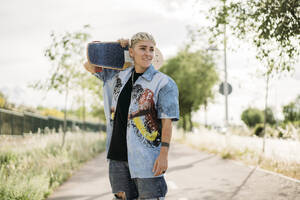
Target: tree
{"x": 270, "y": 119}
{"x": 252, "y": 116}
{"x": 2, "y": 100}
{"x": 291, "y": 111}
{"x": 66, "y": 53}
{"x": 195, "y": 75}
{"x": 273, "y": 26}
{"x": 95, "y": 87}
{"x": 50, "y": 112}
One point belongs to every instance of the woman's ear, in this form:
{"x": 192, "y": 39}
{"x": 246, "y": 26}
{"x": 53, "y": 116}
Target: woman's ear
{"x": 131, "y": 53}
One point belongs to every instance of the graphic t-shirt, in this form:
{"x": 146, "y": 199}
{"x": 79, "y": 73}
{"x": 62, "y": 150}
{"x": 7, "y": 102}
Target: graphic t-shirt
{"x": 118, "y": 144}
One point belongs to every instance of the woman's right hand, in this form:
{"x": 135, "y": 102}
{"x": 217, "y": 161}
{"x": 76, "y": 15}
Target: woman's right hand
{"x": 89, "y": 67}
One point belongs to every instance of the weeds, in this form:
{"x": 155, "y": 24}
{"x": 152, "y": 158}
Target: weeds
{"x": 31, "y": 167}
{"x": 281, "y": 156}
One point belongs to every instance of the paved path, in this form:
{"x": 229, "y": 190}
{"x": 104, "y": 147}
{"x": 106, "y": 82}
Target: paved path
{"x": 192, "y": 175}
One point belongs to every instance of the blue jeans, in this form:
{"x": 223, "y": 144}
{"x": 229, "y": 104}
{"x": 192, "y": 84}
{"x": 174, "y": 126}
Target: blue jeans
{"x": 136, "y": 188}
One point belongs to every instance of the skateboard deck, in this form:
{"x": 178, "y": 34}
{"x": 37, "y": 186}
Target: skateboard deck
{"x": 109, "y": 55}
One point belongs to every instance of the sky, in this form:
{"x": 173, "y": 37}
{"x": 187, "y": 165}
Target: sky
{"x": 25, "y": 28}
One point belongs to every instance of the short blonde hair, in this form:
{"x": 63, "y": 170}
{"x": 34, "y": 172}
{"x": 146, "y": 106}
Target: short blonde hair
{"x": 141, "y": 36}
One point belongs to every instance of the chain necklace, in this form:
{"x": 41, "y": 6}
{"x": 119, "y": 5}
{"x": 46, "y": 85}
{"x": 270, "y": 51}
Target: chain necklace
{"x": 132, "y": 77}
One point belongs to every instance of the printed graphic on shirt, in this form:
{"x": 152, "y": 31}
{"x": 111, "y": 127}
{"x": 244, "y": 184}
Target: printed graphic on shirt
{"x": 112, "y": 115}
{"x": 145, "y": 118}
{"x": 117, "y": 88}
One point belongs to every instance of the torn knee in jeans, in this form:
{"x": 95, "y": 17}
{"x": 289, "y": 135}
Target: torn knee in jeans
{"x": 120, "y": 195}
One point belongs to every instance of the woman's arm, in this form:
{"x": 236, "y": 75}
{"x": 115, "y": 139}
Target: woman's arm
{"x": 102, "y": 73}
{"x": 161, "y": 163}
{"x": 91, "y": 68}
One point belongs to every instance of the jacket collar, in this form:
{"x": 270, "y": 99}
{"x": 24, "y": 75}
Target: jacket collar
{"x": 149, "y": 73}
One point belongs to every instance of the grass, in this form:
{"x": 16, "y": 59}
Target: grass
{"x": 281, "y": 155}
{"x": 31, "y": 167}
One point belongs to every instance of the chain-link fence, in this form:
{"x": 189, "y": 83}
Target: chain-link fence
{"x": 14, "y": 123}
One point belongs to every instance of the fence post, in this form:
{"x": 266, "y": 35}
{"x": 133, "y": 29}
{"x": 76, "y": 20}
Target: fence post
{"x": 23, "y": 124}
{"x": 11, "y": 124}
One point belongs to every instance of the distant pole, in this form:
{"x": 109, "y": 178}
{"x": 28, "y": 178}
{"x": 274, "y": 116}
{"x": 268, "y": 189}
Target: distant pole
{"x": 265, "y": 113}
{"x": 225, "y": 74}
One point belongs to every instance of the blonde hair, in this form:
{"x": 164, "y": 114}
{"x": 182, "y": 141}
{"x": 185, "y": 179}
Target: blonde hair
{"x": 141, "y": 36}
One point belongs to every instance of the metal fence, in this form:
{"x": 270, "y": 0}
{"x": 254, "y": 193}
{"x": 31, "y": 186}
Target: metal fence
{"x": 15, "y": 123}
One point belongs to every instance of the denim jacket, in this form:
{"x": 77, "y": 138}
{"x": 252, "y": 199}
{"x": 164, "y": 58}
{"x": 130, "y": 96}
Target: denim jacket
{"x": 154, "y": 97}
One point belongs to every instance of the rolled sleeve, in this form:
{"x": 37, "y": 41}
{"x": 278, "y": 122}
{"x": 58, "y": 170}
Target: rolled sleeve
{"x": 106, "y": 74}
{"x": 167, "y": 104}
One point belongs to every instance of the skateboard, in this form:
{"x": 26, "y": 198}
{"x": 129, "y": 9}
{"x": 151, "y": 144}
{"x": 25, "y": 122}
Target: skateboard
{"x": 112, "y": 55}
{"x": 109, "y": 55}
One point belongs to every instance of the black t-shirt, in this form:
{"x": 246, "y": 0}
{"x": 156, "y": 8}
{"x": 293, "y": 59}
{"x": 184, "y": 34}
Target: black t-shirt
{"x": 118, "y": 145}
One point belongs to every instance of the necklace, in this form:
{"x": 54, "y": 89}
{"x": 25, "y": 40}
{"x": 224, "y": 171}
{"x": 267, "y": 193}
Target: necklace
{"x": 132, "y": 77}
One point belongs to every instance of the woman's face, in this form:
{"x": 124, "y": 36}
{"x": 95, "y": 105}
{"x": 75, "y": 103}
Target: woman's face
{"x": 142, "y": 54}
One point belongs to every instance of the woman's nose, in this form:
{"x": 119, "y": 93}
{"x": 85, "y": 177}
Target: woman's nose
{"x": 148, "y": 52}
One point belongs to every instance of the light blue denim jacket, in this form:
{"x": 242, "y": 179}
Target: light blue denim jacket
{"x": 154, "y": 97}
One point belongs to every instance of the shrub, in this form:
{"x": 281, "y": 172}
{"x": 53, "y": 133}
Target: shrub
{"x": 33, "y": 166}
{"x": 258, "y": 130}
{"x": 252, "y": 116}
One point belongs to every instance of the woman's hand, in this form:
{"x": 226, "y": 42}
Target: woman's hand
{"x": 123, "y": 42}
{"x": 161, "y": 164}
{"x": 89, "y": 67}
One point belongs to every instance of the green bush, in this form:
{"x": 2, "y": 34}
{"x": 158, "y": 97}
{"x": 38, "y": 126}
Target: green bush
{"x": 258, "y": 130}
{"x": 252, "y": 116}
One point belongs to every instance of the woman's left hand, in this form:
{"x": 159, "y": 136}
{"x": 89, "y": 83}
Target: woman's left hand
{"x": 161, "y": 164}
{"x": 123, "y": 42}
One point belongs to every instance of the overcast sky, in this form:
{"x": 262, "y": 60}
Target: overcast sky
{"x": 25, "y": 28}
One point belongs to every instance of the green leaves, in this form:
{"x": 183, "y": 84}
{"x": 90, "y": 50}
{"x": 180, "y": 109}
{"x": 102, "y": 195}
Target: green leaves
{"x": 195, "y": 75}
{"x": 272, "y": 25}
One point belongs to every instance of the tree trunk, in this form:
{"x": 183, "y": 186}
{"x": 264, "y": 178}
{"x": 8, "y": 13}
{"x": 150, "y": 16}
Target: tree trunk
{"x": 265, "y": 113}
{"x": 190, "y": 122}
{"x": 65, "y": 116}
{"x": 184, "y": 123}
{"x": 83, "y": 103}
{"x": 83, "y": 110}
{"x": 205, "y": 113}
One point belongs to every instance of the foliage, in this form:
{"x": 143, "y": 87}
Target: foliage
{"x": 291, "y": 111}
{"x": 270, "y": 119}
{"x": 2, "y": 102}
{"x": 51, "y": 112}
{"x": 195, "y": 75}
{"x": 66, "y": 53}
{"x": 33, "y": 166}
{"x": 252, "y": 116}
{"x": 258, "y": 129}
{"x": 95, "y": 88}
{"x": 284, "y": 158}
{"x": 273, "y": 26}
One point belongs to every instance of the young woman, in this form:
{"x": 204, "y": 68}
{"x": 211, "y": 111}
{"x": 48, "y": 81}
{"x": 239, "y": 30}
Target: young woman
{"x": 140, "y": 105}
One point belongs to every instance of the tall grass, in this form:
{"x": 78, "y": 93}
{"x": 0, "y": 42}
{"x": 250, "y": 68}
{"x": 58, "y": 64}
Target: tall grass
{"x": 31, "y": 167}
{"x": 281, "y": 155}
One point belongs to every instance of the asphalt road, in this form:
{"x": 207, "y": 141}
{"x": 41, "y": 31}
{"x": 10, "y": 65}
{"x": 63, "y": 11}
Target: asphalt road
{"x": 192, "y": 175}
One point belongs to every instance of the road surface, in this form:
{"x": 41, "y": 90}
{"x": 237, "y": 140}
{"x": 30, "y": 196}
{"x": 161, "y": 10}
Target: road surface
{"x": 192, "y": 175}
